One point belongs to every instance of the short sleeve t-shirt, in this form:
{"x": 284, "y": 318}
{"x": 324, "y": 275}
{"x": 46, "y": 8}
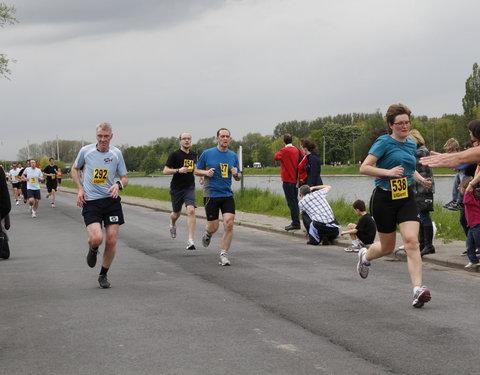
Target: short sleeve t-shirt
{"x": 33, "y": 178}
{"x": 99, "y": 170}
{"x": 220, "y": 184}
{"x": 392, "y": 153}
{"x": 51, "y": 169}
{"x": 14, "y": 175}
{"x": 366, "y": 229}
{"x": 177, "y": 160}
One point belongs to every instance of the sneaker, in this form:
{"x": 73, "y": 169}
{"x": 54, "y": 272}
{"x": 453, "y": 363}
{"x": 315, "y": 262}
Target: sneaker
{"x": 477, "y": 251}
{"x": 53, "y": 205}
{"x": 103, "y": 281}
{"x": 92, "y": 257}
{"x": 421, "y": 297}
{"x": 352, "y": 249}
{"x": 206, "y": 239}
{"x": 16, "y": 203}
{"x": 449, "y": 204}
{"x": 472, "y": 265}
{"x": 34, "y": 213}
{"x": 173, "y": 231}
{"x": 224, "y": 260}
{"x": 190, "y": 245}
{"x": 464, "y": 254}
{"x": 48, "y": 196}
{"x": 362, "y": 265}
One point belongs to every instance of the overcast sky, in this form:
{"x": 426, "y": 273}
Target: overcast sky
{"x": 155, "y": 68}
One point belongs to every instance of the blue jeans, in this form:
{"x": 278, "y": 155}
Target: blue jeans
{"x": 425, "y": 219}
{"x": 473, "y": 242}
{"x": 291, "y": 195}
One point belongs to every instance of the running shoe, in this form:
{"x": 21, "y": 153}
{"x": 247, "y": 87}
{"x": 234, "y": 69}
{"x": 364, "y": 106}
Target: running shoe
{"x": 464, "y": 254}
{"x": 190, "y": 245}
{"x": 224, "y": 260}
{"x": 103, "y": 281}
{"x": 48, "y": 196}
{"x": 421, "y": 297}
{"x": 16, "y": 203}
{"x": 363, "y": 264}
{"x": 352, "y": 249}
{"x": 206, "y": 239}
{"x": 53, "y": 205}
{"x": 173, "y": 231}
{"x": 34, "y": 213}
{"x": 92, "y": 257}
{"x": 472, "y": 265}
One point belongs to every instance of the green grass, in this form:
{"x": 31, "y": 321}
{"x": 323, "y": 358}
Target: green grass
{"x": 264, "y": 202}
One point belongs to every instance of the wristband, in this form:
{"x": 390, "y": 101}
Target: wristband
{"x": 120, "y": 185}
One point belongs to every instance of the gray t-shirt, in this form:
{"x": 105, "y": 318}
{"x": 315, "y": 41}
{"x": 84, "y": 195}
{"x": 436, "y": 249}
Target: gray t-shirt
{"x": 99, "y": 170}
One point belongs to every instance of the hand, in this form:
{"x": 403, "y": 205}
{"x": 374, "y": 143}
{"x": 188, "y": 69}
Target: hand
{"x": 427, "y": 183}
{"x": 210, "y": 172}
{"x": 234, "y": 171}
{"x": 183, "y": 170}
{"x": 114, "y": 189}
{"x": 81, "y": 198}
{"x": 6, "y": 222}
{"x": 396, "y": 171}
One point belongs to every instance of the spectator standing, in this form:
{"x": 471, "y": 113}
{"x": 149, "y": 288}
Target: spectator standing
{"x": 471, "y": 205}
{"x": 452, "y": 146}
{"x": 424, "y": 196}
{"x": 289, "y": 157}
{"x": 312, "y": 164}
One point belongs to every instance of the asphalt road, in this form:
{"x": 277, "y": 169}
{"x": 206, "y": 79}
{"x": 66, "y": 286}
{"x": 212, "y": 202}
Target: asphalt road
{"x": 282, "y": 307}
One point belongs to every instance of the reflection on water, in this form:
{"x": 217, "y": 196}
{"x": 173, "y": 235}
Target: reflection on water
{"x": 348, "y": 187}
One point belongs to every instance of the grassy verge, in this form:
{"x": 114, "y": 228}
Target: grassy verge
{"x": 266, "y": 203}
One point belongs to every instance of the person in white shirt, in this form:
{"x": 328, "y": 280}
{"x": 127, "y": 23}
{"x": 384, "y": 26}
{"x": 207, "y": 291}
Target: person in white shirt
{"x": 33, "y": 176}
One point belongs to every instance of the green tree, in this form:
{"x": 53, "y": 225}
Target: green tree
{"x": 471, "y": 100}
{"x": 6, "y": 18}
{"x": 151, "y": 163}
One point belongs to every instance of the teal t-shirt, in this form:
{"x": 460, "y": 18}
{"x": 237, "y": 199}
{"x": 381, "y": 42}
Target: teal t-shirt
{"x": 392, "y": 153}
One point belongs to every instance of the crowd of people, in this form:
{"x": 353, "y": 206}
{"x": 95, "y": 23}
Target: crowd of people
{"x": 402, "y": 199}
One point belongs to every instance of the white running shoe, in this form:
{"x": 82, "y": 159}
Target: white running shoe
{"x": 190, "y": 245}
{"x": 173, "y": 232}
{"x": 472, "y": 265}
{"x": 224, "y": 260}
{"x": 421, "y": 297}
{"x": 16, "y": 202}
{"x": 363, "y": 264}
{"x": 53, "y": 205}
{"x": 34, "y": 213}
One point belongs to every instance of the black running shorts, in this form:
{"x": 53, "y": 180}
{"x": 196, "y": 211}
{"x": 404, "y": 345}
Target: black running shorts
{"x": 214, "y": 205}
{"x": 107, "y": 211}
{"x": 389, "y": 212}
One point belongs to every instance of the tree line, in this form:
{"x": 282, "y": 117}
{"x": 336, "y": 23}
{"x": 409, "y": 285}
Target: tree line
{"x": 344, "y": 138}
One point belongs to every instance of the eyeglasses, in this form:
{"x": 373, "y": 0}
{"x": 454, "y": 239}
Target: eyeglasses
{"x": 402, "y": 123}
{"x": 185, "y": 139}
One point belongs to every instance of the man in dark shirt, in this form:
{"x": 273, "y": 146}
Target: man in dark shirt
{"x": 363, "y": 233}
{"x": 181, "y": 164}
{"x": 50, "y": 172}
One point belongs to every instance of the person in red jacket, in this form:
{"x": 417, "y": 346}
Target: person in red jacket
{"x": 289, "y": 157}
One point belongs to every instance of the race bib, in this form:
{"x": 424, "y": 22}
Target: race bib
{"x": 53, "y": 177}
{"x": 33, "y": 180}
{"x": 189, "y": 164}
{"x": 224, "y": 170}
{"x": 99, "y": 176}
{"x": 17, "y": 178}
{"x": 399, "y": 188}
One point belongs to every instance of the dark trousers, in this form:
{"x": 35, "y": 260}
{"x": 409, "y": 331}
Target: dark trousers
{"x": 291, "y": 195}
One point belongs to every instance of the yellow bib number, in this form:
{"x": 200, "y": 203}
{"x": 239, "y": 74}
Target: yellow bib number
{"x": 33, "y": 180}
{"x": 399, "y": 188}
{"x": 52, "y": 177}
{"x": 224, "y": 170}
{"x": 17, "y": 178}
{"x": 189, "y": 164}
{"x": 100, "y": 176}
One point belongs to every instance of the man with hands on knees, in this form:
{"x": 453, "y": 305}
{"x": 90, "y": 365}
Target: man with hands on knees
{"x": 98, "y": 195}
{"x": 218, "y": 165}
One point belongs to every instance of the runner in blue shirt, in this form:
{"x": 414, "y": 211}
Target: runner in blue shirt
{"x": 218, "y": 165}
{"x": 391, "y": 160}
{"x": 98, "y": 196}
